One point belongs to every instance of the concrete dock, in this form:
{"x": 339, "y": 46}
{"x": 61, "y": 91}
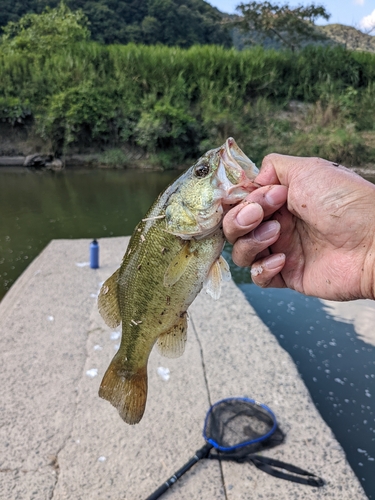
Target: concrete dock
{"x": 60, "y": 441}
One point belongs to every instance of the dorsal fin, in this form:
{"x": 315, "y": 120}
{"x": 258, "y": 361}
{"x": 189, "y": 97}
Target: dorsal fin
{"x": 108, "y": 301}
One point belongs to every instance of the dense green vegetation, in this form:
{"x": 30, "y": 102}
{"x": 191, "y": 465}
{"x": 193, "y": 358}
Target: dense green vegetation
{"x": 43, "y": 34}
{"x": 170, "y": 22}
{"x": 178, "y": 102}
{"x": 174, "y": 103}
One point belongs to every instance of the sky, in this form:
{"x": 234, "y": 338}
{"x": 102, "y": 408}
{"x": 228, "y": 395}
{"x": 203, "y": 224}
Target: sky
{"x": 357, "y": 13}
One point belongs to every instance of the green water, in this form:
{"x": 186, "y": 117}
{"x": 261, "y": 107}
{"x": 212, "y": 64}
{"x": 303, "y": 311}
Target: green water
{"x": 38, "y": 207}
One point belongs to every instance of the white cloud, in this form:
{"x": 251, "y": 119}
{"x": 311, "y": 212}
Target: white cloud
{"x": 359, "y": 313}
{"x": 368, "y": 22}
{"x": 359, "y": 2}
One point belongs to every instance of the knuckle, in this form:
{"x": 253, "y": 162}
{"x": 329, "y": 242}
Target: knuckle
{"x": 263, "y": 284}
{"x": 230, "y": 227}
{"x": 230, "y": 233}
{"x": 245, "y": 250}
{"x": 239, "y": 260}
{"x": 270, "y": 158}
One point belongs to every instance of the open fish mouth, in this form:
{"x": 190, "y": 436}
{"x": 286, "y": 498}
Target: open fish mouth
{"x": 196, "y": 209}
{"x": 237, "y": 162}
{"x": 236, "y": 173}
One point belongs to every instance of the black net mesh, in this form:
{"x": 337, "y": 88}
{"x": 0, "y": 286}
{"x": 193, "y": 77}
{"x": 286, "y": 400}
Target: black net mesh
{"x": 236, "y": 429}
{"x": 240, "y": 426}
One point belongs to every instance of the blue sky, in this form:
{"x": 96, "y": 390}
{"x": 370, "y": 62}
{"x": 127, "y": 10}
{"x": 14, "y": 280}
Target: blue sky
{"x": 357, "y": 13}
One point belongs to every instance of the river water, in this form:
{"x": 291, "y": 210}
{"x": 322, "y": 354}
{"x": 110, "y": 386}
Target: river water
{"x": 332, "y": 344}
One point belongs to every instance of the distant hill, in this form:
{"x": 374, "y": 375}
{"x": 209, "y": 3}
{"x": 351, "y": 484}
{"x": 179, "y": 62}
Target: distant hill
{"x": 348, "y": 36}
{"x": 169, "y": 22}
{"x": 336, "y": 34}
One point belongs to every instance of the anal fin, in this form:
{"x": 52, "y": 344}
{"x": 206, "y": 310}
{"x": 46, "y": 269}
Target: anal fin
{"x": 108, "y": 301}
{"x": 171, "y": 344}
{"x": 219, "y": 272}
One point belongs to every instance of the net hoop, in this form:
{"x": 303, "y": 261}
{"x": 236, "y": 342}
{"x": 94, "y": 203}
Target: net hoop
{"x": 217, "y": 446}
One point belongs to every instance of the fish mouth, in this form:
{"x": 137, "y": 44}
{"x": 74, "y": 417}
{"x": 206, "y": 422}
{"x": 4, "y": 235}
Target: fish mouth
{"x": 236, "y": 162}
{"x": 236, "y": 173}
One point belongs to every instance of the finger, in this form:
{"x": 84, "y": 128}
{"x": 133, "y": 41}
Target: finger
{"x": 283, "y": 169}
{"x": 235, "y": 225}
{"x": 246, "y": 216}
{"x": 266, "y": 272}
{"x": 270, "y": 198}
{"x": 267, "y": 174}
{"x": 247, "y": 248}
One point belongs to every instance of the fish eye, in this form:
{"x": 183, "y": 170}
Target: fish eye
{"x": 202, "y": 170}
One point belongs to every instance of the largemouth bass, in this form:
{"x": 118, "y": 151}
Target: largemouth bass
{"x": 174, "y": 251}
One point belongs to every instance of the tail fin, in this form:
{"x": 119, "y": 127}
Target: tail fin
{"x": 125, "y": 390}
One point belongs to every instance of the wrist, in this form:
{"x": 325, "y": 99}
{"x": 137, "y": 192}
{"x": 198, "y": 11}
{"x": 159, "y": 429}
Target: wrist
{"x": 373, "y": 270}
{"x": 369, "y": 273}
{"x": 368, "y": 268}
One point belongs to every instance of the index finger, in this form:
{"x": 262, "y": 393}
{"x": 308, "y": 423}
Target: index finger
{"x": 282, "y": 169}
{"x": 246, "y": 216}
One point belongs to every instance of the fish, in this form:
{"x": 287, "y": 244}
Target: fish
{"x": 174, "y": 252}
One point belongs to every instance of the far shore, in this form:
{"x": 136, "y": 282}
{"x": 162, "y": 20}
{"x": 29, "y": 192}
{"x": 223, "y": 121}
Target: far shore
{"x": 94, "y": 161}
{"x": 75, "y": 161}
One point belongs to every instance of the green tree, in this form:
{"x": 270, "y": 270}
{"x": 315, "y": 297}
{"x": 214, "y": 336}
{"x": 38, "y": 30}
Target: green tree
{"x": 13, "y": 11}
{"x": 42, "y": 34}
{"x": 290, "y": 26}
{"x": 170, "y": 22}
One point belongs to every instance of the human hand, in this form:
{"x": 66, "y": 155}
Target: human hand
{"x": 321, "y": 240}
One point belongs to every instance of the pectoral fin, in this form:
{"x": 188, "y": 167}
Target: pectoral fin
{"x": 219, "y": 272}
{"x": 172, "y": 343}
{"x": 178, "y": 265}
{"x": 108, "y": 301}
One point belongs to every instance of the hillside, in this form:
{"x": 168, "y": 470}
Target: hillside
{"x": 336, "y": 34}
{"x": 172, "y": 22}
{"x": 349, "y": 37}
{"x": 169, "y": 22}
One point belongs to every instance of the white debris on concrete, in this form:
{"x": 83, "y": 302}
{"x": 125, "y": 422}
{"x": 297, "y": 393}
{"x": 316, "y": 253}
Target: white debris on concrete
{"x": 93, "y": 372}
{"x": 164, "y": 373}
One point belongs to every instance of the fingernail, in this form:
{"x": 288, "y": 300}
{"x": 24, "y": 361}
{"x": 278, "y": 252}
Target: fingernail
{"x": 274, "y": 261}
{"x": 249, "y": 214}
{"x": 256, "y": 270}
{"x": 267, "y": 230}
{"x": 276, "y": 195}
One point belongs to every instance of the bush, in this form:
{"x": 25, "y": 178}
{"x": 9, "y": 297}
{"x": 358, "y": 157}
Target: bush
{"x": 13, "y": 110}
{"x": 182, "y": 102}
{"x": 114, "y": 158}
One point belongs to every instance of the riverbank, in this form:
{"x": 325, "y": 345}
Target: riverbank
{"x": 94, "y": 161}
{"x": 20, "y": 147}
{"x": 83, "y": 161}
{"x": 60, "y": 439}
{"x": 174, "y": 104}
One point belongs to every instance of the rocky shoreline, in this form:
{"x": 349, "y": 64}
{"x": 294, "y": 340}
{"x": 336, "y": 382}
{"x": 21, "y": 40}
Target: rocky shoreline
{"x": 35, "y": 161}
{"x": 20, "y": 148}
{"x": 49, "y": 162}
